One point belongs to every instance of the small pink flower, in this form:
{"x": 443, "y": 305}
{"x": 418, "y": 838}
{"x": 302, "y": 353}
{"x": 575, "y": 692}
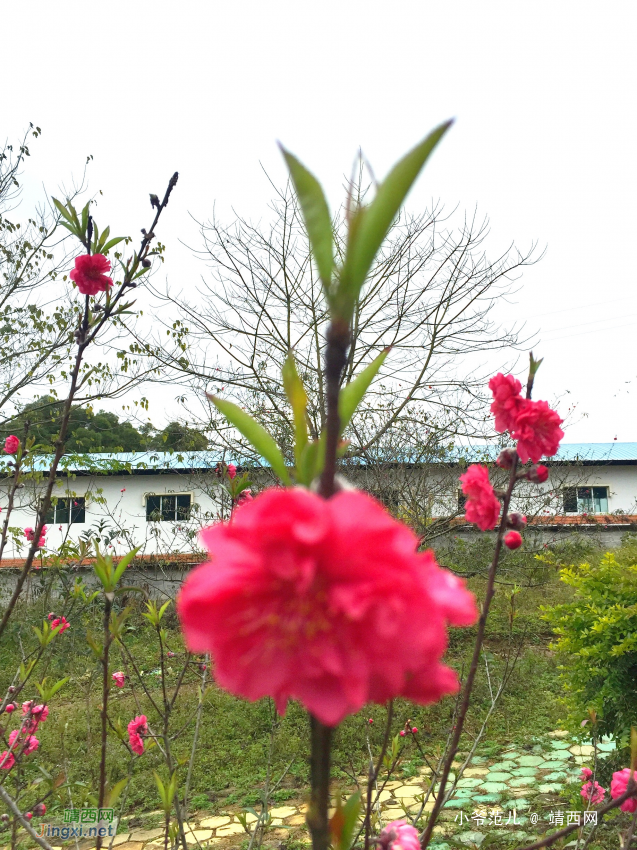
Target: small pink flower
{"x": 593, "y": 793}
{"x": 619, "y": 786}
{"x": 119, "y": 678}
{"x": 402, "y": 733}
{"x": 29, "y": 533}
{"x": 483, "y": 506}
{"x": 513, "y": 540}
{"x": 39, "y": 810}
{"x": 29, "y": 815}
{"x": 244, "y": 496}
{"x": 11, "y": 445}
{"x": 507, "y": 400}
{"x": 231, "y": 470}
{"x": 371, "y": 721}
{"x": 399, "y": 835}
{"x": 170, "y": 654}
{"x": 27, "y": 745}
{"x": 123, "y": 490}
{"x": 586, "y": 774}
{"x": 7, "y": 760}
{"x": 62, "y": 622}
{"x": 10, "y": 708}
{"x": 414, "y": 730}
{"x": 90, "y": 274}
{"x": 538, "y": 474}
{"x": 136, "y": 728}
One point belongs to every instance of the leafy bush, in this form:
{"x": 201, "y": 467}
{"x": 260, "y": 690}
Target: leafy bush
{"x": 597, "y": 642}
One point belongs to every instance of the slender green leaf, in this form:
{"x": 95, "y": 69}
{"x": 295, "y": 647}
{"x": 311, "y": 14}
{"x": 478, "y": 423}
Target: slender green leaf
{"x": 255, "y": 433}
{"x": 316, "y": 215}
{"x": 111, "y": 244}
{"x": 297, "y": 397}
{"x": 376, "y": 219}
{"x": 119, "y": 572}
{"x": 352, "y": 394}
{"x": 350, "y": 815}
{"x": 116, "y": 791}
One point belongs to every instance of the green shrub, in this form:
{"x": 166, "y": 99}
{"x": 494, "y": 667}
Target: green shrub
{"x": 597, "y": 641}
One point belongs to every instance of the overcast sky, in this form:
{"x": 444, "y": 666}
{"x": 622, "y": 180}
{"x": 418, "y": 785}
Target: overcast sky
{"x": 543, "y": 94}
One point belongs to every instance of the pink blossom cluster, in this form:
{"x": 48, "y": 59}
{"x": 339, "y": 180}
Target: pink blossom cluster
{"x": 90, "y": 274}
{"x": 11, "y": 444}
{"x": 22, "y": 741}
{"x": 323, "y": 601}
{"x": 536, "y": 428}
{"x": 137, "y": 728}
{"x": 62, "y": 622}
{"x": 533, "y": 424}
{"x": 29, "y": 533}
{"x": 619, "y": 786}
{"x": 119, "y": 678}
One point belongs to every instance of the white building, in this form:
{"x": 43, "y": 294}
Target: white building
{"x": 160, "y": 501}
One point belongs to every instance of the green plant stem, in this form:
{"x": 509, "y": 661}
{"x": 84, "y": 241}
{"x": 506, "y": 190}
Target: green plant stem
{"x": 317, "y": 816}
{"x": 108, "y": 605}
{"x": 338, "y": 340}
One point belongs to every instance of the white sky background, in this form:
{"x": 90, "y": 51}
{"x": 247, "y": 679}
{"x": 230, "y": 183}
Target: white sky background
{"x": 544, "y": 143}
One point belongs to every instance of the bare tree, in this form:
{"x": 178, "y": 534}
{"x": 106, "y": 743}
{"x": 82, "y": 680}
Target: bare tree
{"x": 429, "y": 297}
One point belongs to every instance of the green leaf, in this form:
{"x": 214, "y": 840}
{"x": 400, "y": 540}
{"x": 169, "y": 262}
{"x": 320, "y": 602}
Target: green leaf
{"x": 352, "y": 394}
{"x": 297, "y": 397}
{"x": 350, "y": 814}
{"x": 257, "y": 435}
{"x": 374, "y": 221}
{"x": 84, "y": 219}
{"x": 309, "y": 464}
{"x": 119, "y": 572}
{"x": 115, "y": 792}
{"x": 111, "y": 244}
{"x": 316, "y": 215}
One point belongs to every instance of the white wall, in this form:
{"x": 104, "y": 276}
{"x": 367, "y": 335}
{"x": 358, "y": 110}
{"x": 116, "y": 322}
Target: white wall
{"x": 118, "y": 503}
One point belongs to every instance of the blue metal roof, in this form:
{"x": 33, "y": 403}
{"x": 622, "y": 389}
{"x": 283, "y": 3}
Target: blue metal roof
{"x": 152, "y": 462}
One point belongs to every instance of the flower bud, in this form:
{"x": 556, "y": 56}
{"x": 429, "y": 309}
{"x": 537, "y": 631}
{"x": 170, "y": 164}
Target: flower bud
{"x": 371, "y": 721}
{"x": 506, "y": 458}
{"x": 4, "y": 817}
{"x": 513, "y": 540}
{"x": 517, "y": 521}
{"x": 402, "y": 733}
{"x": 10, "y": 708}
{"x": 11, "y": 689}
{"x": 29, "y": 815}
{"x": 414, "y": 730}
{"x": 39, "y": 810}
{"x": 538, "y": 474}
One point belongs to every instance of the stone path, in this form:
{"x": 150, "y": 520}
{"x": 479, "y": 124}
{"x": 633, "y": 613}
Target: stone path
{"x": 521, "y": 779}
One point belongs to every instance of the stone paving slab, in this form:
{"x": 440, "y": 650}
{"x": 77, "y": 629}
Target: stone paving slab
{"x": 503, "y": 783}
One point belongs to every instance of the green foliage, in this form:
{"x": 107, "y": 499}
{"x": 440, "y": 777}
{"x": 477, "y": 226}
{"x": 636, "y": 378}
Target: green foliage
{"x": 597, "y": 641}
{"x": 98, "y": 432}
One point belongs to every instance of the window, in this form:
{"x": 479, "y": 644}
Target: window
{"x": 68, "y": 510}
{"x": 586, "y": 500}
{"x": 168, "y": 508}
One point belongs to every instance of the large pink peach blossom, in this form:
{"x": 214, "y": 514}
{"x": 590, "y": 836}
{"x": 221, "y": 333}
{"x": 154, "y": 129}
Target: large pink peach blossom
{"x": 323, "y": 601}
{"x": 619, "y": 786}
{"x": 537, "y": 430}
{"x": 90, "y": 273}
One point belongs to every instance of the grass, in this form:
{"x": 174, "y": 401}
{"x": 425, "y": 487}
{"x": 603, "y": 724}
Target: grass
{"x": 236, "y": 737}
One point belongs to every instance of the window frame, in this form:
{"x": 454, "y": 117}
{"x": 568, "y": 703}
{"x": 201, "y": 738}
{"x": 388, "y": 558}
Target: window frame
{"x": 573, "y": 494}
{"x": 162, "y": 511}
{"x": 70, "y": 512}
